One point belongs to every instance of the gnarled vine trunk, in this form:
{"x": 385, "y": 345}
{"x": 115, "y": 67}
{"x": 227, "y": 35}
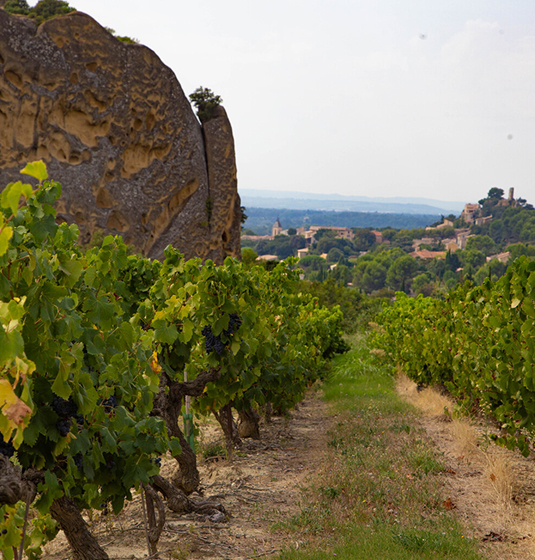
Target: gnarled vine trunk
{"x": 249, "y": 425}
{"x": 228, "y": 425}
{"x": 11, "y": 484}
{"x": 168, "y": 405}
{"x": 84, "y": 545}
{"x": 178, "y": 502}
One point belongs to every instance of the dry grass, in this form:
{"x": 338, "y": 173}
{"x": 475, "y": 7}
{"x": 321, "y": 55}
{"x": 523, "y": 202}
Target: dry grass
{"x": 484, "y": 478}
{"x": 465, "y": 439}
{"x": 499, "y": 473}
{"x": 430, "y": 401}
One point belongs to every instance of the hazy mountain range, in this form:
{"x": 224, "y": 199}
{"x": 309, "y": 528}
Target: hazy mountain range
{"x": 339, "y": 203}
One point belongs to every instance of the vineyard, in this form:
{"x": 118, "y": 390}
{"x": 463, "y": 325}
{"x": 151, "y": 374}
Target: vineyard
{"x": 478, "y": 343}
{"x": 100, "y": 350}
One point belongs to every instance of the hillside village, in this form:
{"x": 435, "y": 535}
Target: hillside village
{"x": 478, "y": 243}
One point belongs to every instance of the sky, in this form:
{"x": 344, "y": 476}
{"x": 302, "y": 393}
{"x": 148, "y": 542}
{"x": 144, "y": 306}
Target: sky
{"x": 381, "y": 98}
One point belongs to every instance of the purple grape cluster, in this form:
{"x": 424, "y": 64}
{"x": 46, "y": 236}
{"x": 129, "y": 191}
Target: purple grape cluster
{"x": 110, "y": 461}
{"x": 78, "y": 461}
{"x": 212, "y": 342}
{"x": 6, "y": 448}
{"x": 64, "y": 426}
{"x": 66, "y": 410}
{"x": 110, "y": 404}
{"x": 234, "y": 323}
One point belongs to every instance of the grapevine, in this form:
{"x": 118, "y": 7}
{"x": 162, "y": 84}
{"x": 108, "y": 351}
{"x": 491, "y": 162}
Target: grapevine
{"x": 99, "y": 349}
{"x": 479, "y": 343}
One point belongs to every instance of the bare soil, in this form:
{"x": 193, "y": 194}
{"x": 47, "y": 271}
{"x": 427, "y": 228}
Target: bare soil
{"x": 491, "y": 489}
{"x": 258, "y": 486}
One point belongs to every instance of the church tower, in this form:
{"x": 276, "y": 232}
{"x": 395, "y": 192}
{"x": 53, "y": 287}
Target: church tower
{"x": 276, "y": 228}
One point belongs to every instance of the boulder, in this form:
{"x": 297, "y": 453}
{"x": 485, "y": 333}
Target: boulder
{"x": 115, "y": 129}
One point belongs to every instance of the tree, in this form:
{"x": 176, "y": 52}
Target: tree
{"x": 19, "y": 7}
{"x": 297, "y": 242}
{"x": 400, "y": 272}
{"x": 374, "y": 277}
{"x": 452, "y": 261}
{"x": 519, "y": 249}
{"x": 482, "y": 243}
{"x": 473, "y": 258}
{"x": 423, "y": 284}
{"x": 334, "y": 255}
{"x": 42, "y": 11}
{"x": 403, "y": 242}
{"x": 205, "y": 101}
{"x": 248, "y": 256}
{"x": 495, "y": 193}
{"x": 364, "y": 239}
{"x": 326, "y": 243}
{"x": 284, "y": 249}
{"x": 47, "y": 9}
{"x": 493, "y": 270}
{"x": 323, "y": 232}
{"x": 341, "y": 274}
{"x": 292, "y": 231}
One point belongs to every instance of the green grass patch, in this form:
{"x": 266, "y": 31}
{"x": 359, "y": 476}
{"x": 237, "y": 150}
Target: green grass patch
{"x": 379, "y": 493}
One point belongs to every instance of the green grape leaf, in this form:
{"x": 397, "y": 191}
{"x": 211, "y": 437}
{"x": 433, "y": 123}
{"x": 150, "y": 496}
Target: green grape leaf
{"x": 6, "y": 233}
{"x": 235, "y": 346}
{"x": 36, "y": 169}
{"x": 11, "y": 346}
{"x": 61, "y": 387}
{"x": 12, "y": 193}
{"x": 187, "y": 330}
{"x": 43, "y": 228}
{"x": 166, "y": 333}
{"x": 127, "y": 332}
{"x": 50, "y": 490}
{"x": 41, "y": 420}
{"x": 73, "y": 269}
{"x": 5, "y": 286}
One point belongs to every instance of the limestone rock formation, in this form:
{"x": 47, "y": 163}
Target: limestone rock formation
{"x": 116, "y": 130}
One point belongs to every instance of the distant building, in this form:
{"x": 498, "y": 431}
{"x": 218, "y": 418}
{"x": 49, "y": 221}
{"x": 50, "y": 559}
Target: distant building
{"x": 502, "y": 257}
{"x": 276, "y": 229}
{"x": 256, "y": 237}
{"x": 425, "y": 254}
{"x": 469, "y": 212}
{"x": 378, "y": 236}
{"x": 450, "y": 245}
{"x": 445, "y": 223}
{"x": 461, "y": 237}
{"x": 424, "y": 241}
{"x": 267, "y": 258}
{"x": 343, "y": 232}
{"x": 482, "y": 220}
{"x": 302, "y": 252}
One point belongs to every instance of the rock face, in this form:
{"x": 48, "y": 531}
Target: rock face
{"x": 116, "y": 130}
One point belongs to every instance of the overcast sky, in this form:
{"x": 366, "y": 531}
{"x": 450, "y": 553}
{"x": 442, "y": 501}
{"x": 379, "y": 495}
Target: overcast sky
{"x": 426, "y": 98}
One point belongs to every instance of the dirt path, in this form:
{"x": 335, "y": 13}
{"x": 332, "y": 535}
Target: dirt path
{"x": 259, "y": 487}
{"x": 491, "y": 488}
